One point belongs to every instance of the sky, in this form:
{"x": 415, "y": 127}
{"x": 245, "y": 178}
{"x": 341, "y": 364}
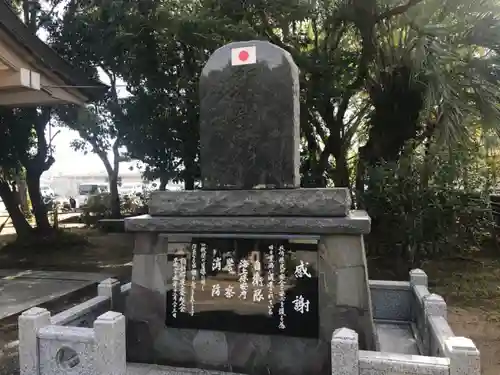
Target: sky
{"x": 69, "y": 161}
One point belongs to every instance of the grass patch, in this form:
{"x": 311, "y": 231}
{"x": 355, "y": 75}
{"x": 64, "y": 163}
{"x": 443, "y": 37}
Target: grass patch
{"x": 463, "y": 282}
{"x": 75, "y": 249}
{"x": 467, "y": 282}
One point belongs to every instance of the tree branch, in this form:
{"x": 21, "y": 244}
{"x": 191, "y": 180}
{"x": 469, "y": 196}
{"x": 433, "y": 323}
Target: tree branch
{"x": 400, "y": 9}
{"x": 102, "y": 155}
{"x": 268, "y": 30}
{"x": 354, "y": 123}
{"x": 50, "y": 13}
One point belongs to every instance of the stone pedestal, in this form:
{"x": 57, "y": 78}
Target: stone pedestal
{"x": 344, "y": 281}
{"x": 344, "y": 298}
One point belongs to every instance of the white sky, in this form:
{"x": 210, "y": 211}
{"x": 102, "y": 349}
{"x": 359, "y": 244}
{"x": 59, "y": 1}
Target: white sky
{"x": 69, "y": 161}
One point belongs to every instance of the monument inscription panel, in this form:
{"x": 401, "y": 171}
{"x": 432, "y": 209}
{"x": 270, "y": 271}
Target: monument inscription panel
{"x": 245, "y": 286}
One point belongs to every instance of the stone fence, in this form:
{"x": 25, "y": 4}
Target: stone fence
{"x": 88, "y": 335}
{"x": 443, "y": 353}
{"x": 93, "y": 338}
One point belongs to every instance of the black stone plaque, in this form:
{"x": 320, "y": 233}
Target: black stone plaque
{"x": 249, "y": 119}
{"x": 245, "y": 285}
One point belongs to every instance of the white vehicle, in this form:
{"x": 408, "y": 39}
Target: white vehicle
{"x": 90, "y": 188}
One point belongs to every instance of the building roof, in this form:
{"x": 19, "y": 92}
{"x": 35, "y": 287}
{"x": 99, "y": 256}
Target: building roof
{"x": 12, "y": 25}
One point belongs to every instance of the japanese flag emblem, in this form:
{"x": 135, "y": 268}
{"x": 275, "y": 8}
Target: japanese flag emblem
{"x": 243, "y": 56}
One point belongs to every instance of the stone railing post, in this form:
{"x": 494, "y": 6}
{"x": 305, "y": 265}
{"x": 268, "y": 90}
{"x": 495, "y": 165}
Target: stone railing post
{"x": 29, "y": 322}
{"x": 111, "y": 288}
{"x": 418, "y": 277}
{"x": 345, "y": 352}
{"x": 464, "y": 356}
{"x": 434, "y": 305}
{"x": 110, "y": 344}
{"x": 418, "y": 284}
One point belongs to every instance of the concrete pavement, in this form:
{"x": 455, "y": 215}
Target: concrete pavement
{"x": 21, "y": 290}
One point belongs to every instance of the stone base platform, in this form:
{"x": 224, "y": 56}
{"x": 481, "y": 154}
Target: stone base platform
{"x": 178, "y": 221}
{"x": 343, "y": 301}
{"x": 355, "y": 223}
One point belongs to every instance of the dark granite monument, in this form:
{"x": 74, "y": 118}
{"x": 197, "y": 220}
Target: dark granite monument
{"x": 249, "y": 119}
{"x": 182, "y": 308}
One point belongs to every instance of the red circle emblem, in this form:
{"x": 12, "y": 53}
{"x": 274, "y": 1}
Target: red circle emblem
{"x": 243, "y": 55}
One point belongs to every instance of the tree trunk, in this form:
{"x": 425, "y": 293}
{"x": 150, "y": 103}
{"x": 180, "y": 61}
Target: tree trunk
{"x": 317, "y": 179}
{"x": 111, "y": 170}
{"x": 39, "y": 208}
{"x": 113, "y": 181}
{"x": 21, "y": 225}
{"x": 189, "y": 182}
{"x": 114, "y": 196}
{"x": 360, "y": 178}
{"x": 341, "y": 171}
{"x": 189, "y": 174}
{"x": 163, "y": 183}
{"x": 38, "y": 164}
{"x": 22, "y": 189}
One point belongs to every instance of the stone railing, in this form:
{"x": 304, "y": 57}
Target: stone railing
{"x": 443, "y": 353}
{"x": 110, "y": 296}
{"x": 46, "y": 349}
{"x": 93, "y": 338}
{"x": 461, "y": 358}
{"x": 87, "y": 335}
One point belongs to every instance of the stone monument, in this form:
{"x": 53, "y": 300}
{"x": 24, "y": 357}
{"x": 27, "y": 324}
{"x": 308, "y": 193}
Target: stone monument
{"x": 251, "y": 273}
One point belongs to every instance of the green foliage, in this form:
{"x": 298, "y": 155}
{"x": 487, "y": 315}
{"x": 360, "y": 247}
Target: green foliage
{"x": 162, "y": 125}
{"x": 413, "y": 221}
{"x": 98, "y": 207}
{"x": 432, "y": 76}
{"x": 418, "y": 70}
{"x": 379, "y": 79}
{"x": 15, "y": 140}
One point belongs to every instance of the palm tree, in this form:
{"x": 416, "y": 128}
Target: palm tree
{"x": 436, "y": 70}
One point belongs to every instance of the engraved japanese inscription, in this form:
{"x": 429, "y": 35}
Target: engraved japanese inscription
{"x": 261, "y": 287}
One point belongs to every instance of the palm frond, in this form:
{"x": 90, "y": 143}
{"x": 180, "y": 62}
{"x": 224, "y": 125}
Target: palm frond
{"x": 452, "y": 48}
